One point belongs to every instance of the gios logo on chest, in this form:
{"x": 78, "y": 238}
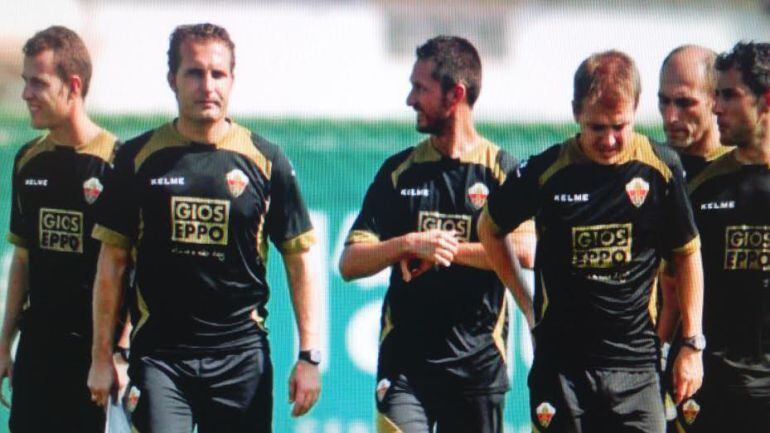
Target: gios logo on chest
{"x": 601, "y": 246}
{"x": 61, "y": 230}
{"x": 747, "y": 248}
{"x": 199, "y": 220}
{"x": 460, "y": 224}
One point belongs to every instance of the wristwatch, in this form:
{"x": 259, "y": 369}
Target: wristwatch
{"x": 312, "y": 356}
{"x": 696, "y": 342}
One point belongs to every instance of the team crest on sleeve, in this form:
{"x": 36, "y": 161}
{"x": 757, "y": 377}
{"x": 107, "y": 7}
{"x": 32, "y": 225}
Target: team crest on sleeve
{"x": 132, "y": 399}
{"x": 690, "y": 411}
{"x": 637, "y": 190}
{"x": 382, "y": 388}
{"x": 478, "y": 194}
{"x": 92, "y": 188}
{"x": 236, "y": 182}
{"x": 545, "y": 413}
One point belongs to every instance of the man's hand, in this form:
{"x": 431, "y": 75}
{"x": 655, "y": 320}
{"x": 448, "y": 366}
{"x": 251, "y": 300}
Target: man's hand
{"x": 101, "y": 379}
{"x": 688, "y": 373}
{"x": 304, "y": 387}
{"x": 435, "y": 246}
{"x": 121, "y": 376}
{"x": 413, "y": 268}
{"x": 6, "y": 370}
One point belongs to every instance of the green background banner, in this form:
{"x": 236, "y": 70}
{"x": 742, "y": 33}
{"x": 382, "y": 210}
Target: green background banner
{"x": 335, "y": 162}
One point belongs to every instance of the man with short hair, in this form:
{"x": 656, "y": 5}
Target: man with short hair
{"x": 686, "y": 98}
{"x": 731, "y": 202}
{"x": 444, "y": 320}
{"x": 56, "y": 183}
{"x": 196, "y": 200}
{"x": 607, "y": 204}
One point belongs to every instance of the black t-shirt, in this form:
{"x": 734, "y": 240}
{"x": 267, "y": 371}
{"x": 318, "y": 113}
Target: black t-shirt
{"x": 448, "y": 325}
{"x": 601, "y": 232}
{"x": 731, "y": 203}
{"x": 54, "y": 191}
{"x": 197, "y": 217}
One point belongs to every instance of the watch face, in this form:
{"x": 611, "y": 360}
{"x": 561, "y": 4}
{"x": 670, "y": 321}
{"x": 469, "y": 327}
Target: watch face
{"x": 315, "y": 356}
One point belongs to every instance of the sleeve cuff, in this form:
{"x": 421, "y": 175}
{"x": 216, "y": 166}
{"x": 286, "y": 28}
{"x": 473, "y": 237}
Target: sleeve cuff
{"x": 111, "y": 237}
{"x": 298, "y": 244}
{"x": 17, "y": 240}
{"x": 361, "y": 237}
{"x": 690, "y": 247}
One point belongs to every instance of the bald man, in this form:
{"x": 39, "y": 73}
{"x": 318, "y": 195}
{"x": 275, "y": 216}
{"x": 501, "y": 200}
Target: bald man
{"x": 686, "y": 99}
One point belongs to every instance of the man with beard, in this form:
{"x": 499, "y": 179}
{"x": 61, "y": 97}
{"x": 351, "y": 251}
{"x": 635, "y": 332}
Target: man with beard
{"x": 56, "y": 185}
{"x": 686, "y": 102}
{"x": 731, "y": 202}
{"x": 608, "y": 203}
{"x": 444, "y": 318}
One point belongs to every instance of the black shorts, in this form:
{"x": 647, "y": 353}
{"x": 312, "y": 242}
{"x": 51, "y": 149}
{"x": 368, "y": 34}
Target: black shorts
{"x": 724, "y": 403}
{"x": 50, "y": 391}
{"x": 595, "y": 401}
{"x": 412, "y": 406}
{"x": 217, "y": 393}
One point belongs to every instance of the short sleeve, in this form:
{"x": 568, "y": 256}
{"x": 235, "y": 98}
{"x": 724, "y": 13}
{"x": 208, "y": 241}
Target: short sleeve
{"x": 370, "y": 225}
{"x": 117, "y": 209}
{"x": 516, "y": 201}
{"x": 679, "y": 234}
{"x": 288, "y": 221}
{"x": 19, "y": 233}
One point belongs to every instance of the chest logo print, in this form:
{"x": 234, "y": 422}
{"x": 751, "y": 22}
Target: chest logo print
{"x": 747, "y": 248}
{"x": 236, "y": 182}
{"x": 637, "y": 190}
{"x": 92, "y": 188}
{"x": 61, "y": 230}
{"x": 200, "y": 221}
{"x": 545, "y": 412}
{"x": 460, "y": 224}
{"x": 478, "y": 194}
{"x": 601, "y": 246}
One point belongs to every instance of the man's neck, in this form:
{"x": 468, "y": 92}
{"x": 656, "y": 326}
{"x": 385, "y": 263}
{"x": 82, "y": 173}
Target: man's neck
{"x": 706, "y": 146}
{"x": 459, "y": 138}
{"x": 78, "y": 130}
{"x": 203, "y": 132}
{"x": 758, "y": 151}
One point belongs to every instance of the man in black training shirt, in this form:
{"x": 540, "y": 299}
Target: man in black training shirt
{"x": 686, "y": 102}
{"x": 195, "y": 201}
{"x": 607, "y": 205}
{"x": 444, "y": 320}
{"x": 731, "y": 203}
{"x": 56, "y": 183}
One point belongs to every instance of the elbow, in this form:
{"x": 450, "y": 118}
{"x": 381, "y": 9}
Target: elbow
{"x": 345, "y": 266}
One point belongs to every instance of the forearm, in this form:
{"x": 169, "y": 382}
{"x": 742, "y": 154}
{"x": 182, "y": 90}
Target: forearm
{"x": 669, "y": 312}
{"x": 18, "y": 287}
{"x": 502, "y": 257}
{"x": 524, "y": 241}
{"x": 472, "y": 254}
{"x": 304, "y": 297}
{"x": 108, "y": 294}
{"x": 689, "y": 286}
{"x": 367, "y": 258}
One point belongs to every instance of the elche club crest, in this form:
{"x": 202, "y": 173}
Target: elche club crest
{"x": 545, "y": 413}
{"x": 478, "y": 194}
{"x": 236, "y": 182}
{"x": 92, "y": 188}
{"x": 637, "y": 190}
{"x": 382, "y": 388}
{"x": 690, "y": 411}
